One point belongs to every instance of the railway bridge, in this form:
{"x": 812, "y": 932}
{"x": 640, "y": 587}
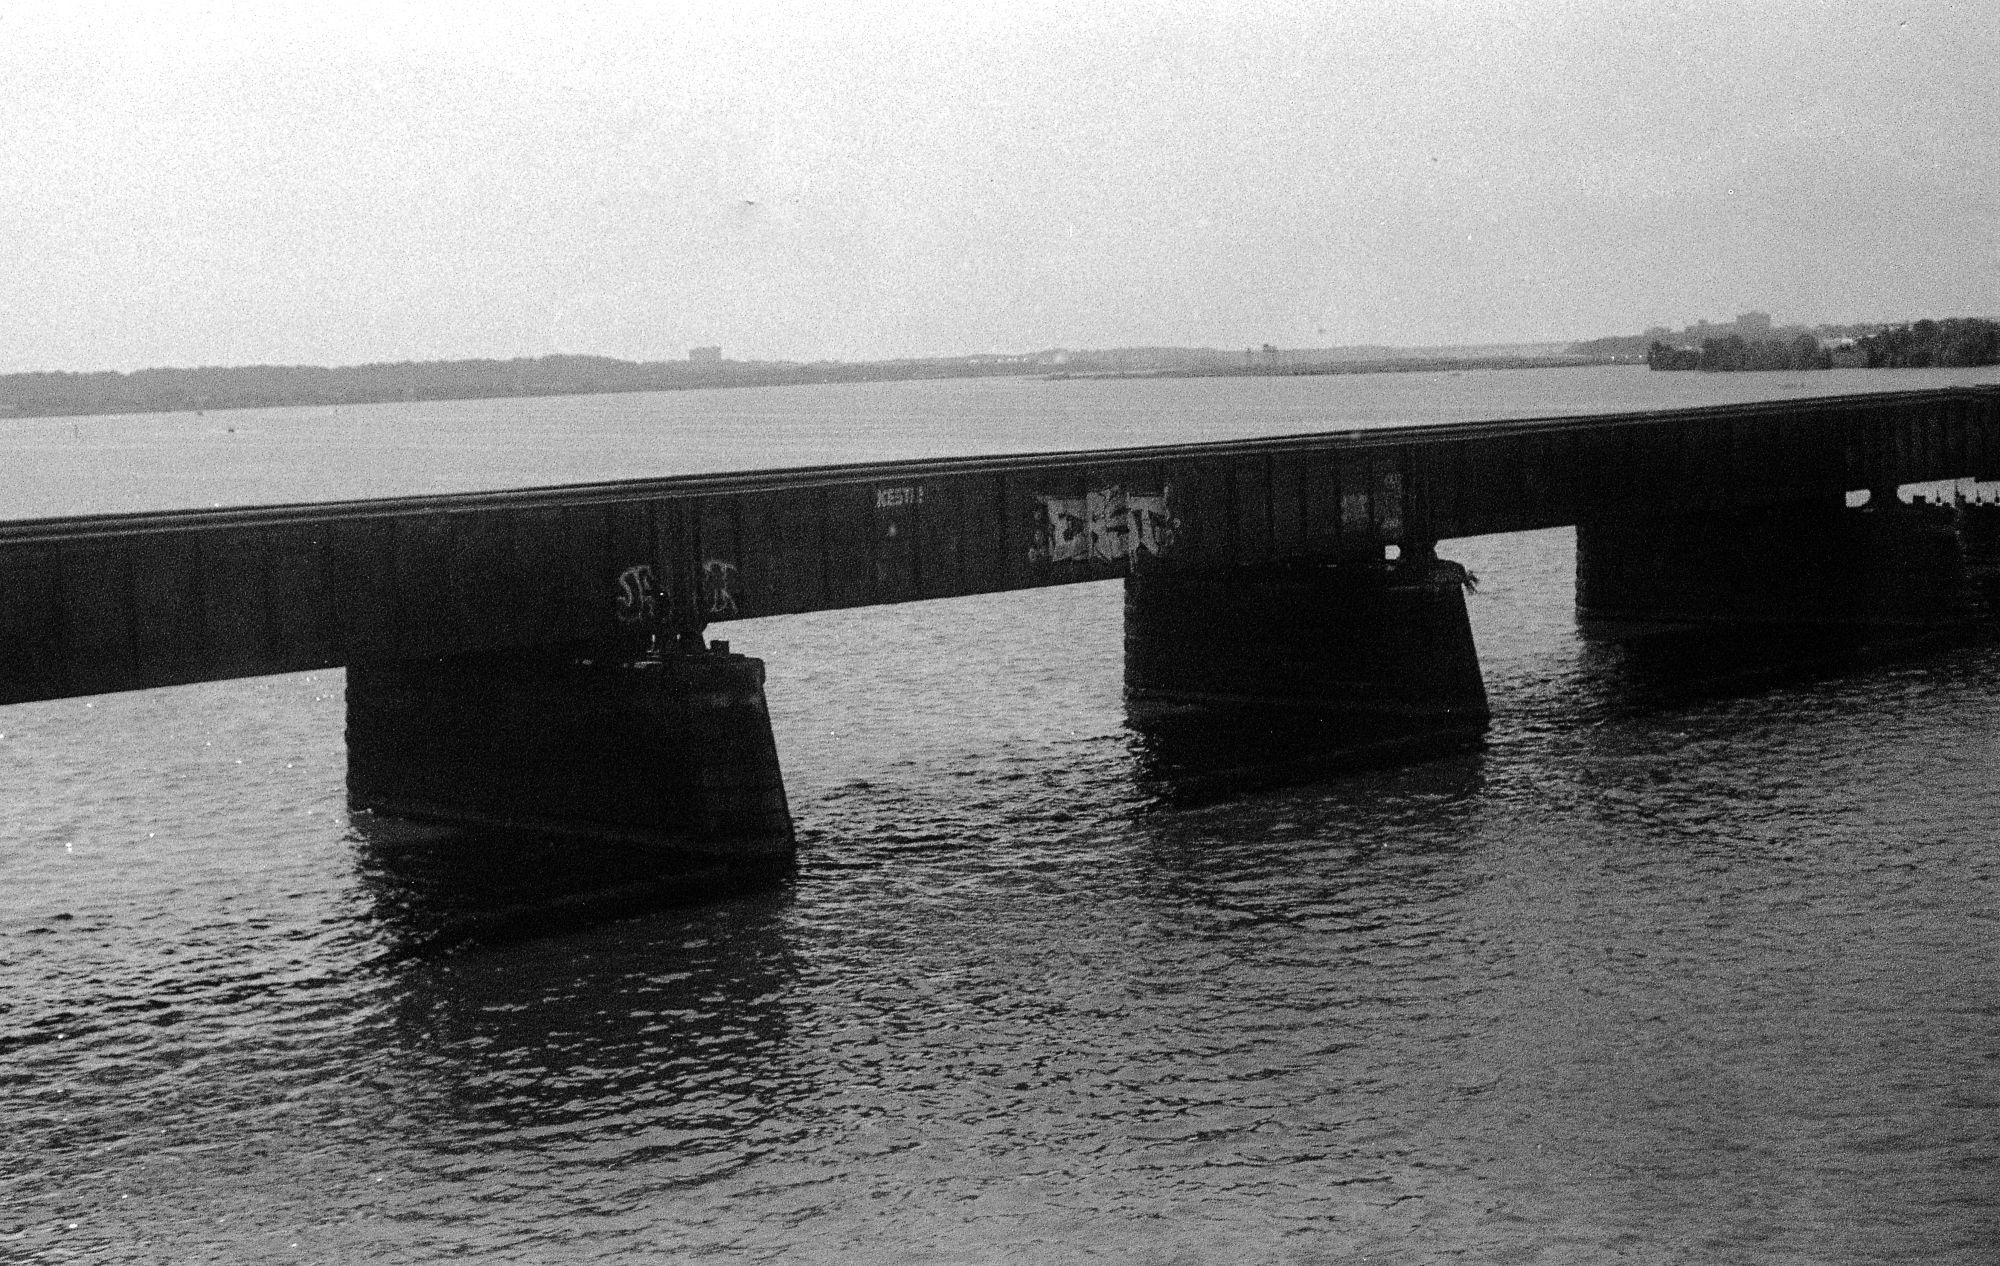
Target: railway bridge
{"x": 540, "y": 658}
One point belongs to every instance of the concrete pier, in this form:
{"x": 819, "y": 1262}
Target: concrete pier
{"x": 1979, "y": 540}
{"x": 1318, "y": 665}
{"x": 672, "y": 753}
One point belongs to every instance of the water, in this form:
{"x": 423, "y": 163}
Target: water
{"x": 1657, "y": 976}
{"x": 165, "y": 461}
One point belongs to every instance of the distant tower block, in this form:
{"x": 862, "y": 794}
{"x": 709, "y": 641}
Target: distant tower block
{"x": 705, "y": 355}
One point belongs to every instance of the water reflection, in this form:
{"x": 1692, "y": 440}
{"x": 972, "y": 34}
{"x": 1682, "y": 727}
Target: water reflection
{"x": 434, "y": 886}
{"x": 1680, "y": 667}
{"x": 1193, "y": 755}
{"x": 649, "y": 1030}
{"x": 1349, "y": 849}
{"x": 645, "y": 1038}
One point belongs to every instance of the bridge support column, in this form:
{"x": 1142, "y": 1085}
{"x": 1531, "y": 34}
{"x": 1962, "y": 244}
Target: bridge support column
{"x": 1879, "y": 575}
{"x": 673, "y": 752}
{"x": 1979, "y": 537}
{"x": 1326, "y": 663}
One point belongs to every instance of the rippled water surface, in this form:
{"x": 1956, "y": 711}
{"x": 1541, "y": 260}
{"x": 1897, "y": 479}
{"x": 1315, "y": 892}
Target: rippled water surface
{"x": 1646, "y": 980}
{"x": 1657, "y": 976}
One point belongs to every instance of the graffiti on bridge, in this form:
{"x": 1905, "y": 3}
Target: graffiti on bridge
{"x": 638, "y": 595}
{"x": 1104, "y": 525}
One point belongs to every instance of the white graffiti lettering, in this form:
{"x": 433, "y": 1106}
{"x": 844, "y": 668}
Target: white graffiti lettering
{"x": 638, "y": 595}
{"x": 1391, "y": 504}
{"x": 718, "y": 583}
{"x": 1354, "y": 512}
{"x": 1104, "y": 525}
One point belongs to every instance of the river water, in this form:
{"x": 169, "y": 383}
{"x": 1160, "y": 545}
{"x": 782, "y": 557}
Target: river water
{"x": 168, "y": 461}
{"x": 1658, "y": 975}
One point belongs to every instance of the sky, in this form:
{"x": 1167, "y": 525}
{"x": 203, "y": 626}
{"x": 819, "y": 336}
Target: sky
{"x": 221, "y": 183}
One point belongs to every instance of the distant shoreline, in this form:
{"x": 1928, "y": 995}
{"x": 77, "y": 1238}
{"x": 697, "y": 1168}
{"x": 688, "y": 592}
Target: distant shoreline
{"x": 26, "y": 397}
{"x": 1399, "y": 365}
{"x": 64, "y": 395}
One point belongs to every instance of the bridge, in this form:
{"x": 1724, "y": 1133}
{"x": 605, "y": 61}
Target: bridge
{"x": 535, "y": 657}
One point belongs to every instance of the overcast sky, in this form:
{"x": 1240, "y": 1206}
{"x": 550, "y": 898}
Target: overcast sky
{"x": 332, "y": 183}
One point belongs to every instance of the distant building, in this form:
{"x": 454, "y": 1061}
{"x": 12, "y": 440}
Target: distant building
{"x": 705, "y": 355}
{"x": 1747, "y": 325}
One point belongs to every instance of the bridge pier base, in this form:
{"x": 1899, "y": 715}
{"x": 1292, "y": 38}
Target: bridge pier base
{"x": 1305, "y": 667}
{"x": 673, "y": 753}
{"x": 1883, "y": 576}
{"x": 1979, "y": 538}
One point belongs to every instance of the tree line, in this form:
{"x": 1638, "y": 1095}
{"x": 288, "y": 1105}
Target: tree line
{"x": 1952, "y": 342}
{"x": 266, "y": 386}
{"x": 1734, "y": 352}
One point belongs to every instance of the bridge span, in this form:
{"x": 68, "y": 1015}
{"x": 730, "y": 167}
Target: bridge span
{"x": 491, "y": 635}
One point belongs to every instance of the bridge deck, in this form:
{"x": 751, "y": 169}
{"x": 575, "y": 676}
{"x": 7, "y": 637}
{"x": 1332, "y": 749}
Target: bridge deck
{"x": 89, "y": 605}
